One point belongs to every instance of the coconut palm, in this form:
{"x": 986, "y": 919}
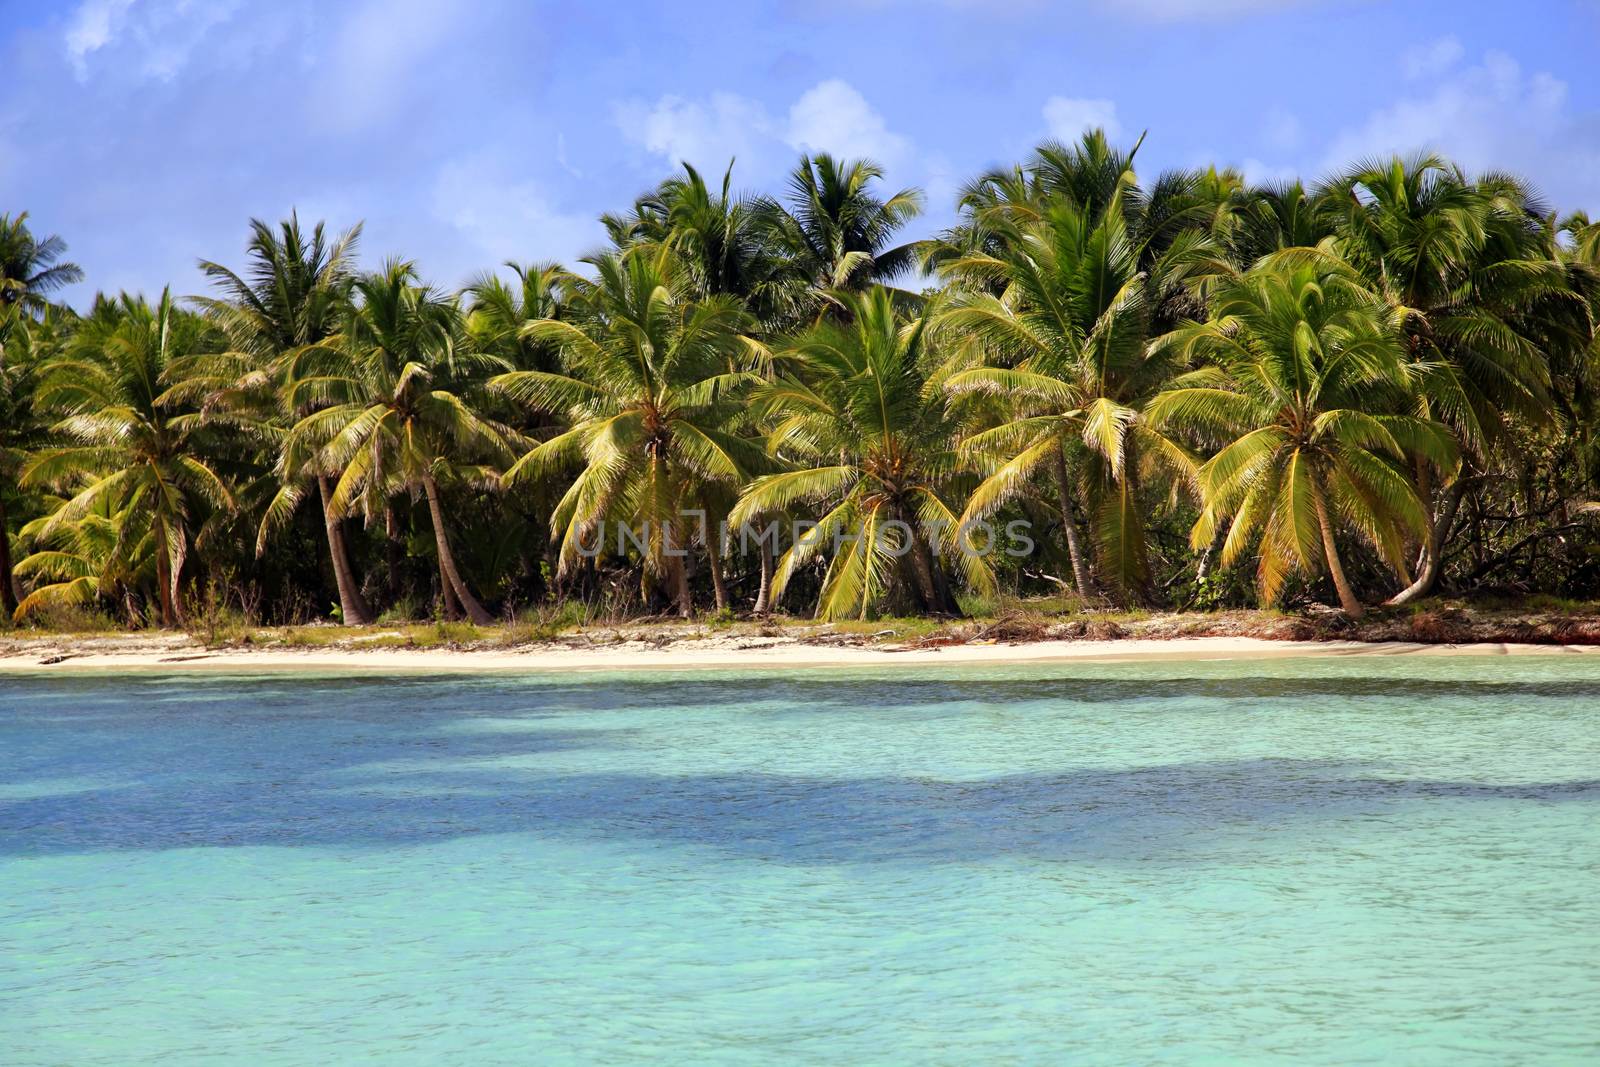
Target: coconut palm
{"x": 1584, "y": 237}
{"x": 1268, "y": 218}
{"x": 134, "y": 438}
{"x": 25, "y": 348}
{"x": 836, "y": 231}
{"x": 498, "y": 312}
{"x": 1306, "y": 391}
{"x": 652, "y": 372}
{"x": 1096, "y": 177}
{"x": 405, "y": 417}
{"x": 862, "y": 418}
{"x": 104, "y": 552}
{"x": 1061, "y": 306}
{"x": 1484, "y": 307}
{"x": 727, "y": 244}
{"x": 29, "y": 267}
{"x": 1090, "y": 173}
{"x": 278, "y": 316}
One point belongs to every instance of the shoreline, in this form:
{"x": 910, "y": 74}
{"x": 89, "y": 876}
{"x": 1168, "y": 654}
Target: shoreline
{"x": 694, "y": 655}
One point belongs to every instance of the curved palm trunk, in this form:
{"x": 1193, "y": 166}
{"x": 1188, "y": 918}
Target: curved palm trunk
{"x": 1347, "y": 597}
{"x": 768, "y": 568}
{"x": 1069, "y": 525}
{"x": 8, "y": 581}
{"x": 1208, "y": 558}
{"x": 447, "y": 594}
{"x": 352, "y": 607}
{"x": 1433, "y": 550}
{"x": 447, "y": 560}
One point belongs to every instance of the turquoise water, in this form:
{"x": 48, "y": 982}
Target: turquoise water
{"x": 1331, "y": 861}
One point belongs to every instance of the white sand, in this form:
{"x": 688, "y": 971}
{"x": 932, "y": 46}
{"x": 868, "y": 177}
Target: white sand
{"x": 719, "y": 654}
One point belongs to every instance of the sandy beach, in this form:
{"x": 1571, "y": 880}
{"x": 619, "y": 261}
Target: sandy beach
{"x": 710, "y": 654}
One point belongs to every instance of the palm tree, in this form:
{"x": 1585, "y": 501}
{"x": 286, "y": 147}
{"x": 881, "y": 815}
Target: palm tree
{"x": 278, "y": 316}
{"x": 835, "y": 231}
{"x": 1306, "y": 391}
{"x": 404, "y": 417}
{"x": 862, "y": 419}
{"x": 1061, "y": 304}
{"x": 499, "y": 312}
{"x": 25, "y": 347}
{"x": 649, "y": 393}
{"x": 727, "y": 244}
{"x": 136, "y": 441}
{"x": 106, "y": 550}
{"x": 1584, "y": 236}
{"x": 1483, "y": 306}
{"x": 29, "y": 267}
{"x": 1096, "y": 177}
{"x": 1272, "y": 217}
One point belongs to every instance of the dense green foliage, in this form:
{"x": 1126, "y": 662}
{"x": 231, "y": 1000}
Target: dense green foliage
{"x": 1187, "y": 392}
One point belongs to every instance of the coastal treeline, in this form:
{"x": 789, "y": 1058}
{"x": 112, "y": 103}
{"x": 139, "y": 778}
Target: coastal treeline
{"x": 1177, "y": 391}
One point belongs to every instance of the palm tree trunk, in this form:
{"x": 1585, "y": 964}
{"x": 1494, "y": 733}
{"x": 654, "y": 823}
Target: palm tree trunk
{"x": 447, "y": 560}
{"x": 352, "y": 608}
{"x": 1209, "y": 556}
{"x": 164, "y": 574}
{"x": 447, "y": 594}
{"x": 922, "y": 567}
{"x": 1347, "y": 597}
{"x": 768, "y": 568}
{"x": 1069, "y": 525}
{"x": 8, "y": 582}
{"x": 391, "y": 546}
{"x": 680, "y": 574}
{"x": 719, "y": 586}
{"x": 1432, "y": 549}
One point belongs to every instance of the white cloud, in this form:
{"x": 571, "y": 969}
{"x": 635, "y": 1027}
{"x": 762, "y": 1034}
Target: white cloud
{"x": 833, "y": 117}
{"x": 1432, "y": 59}
{"x": 830, "y": 117}
{"x": 706, "y": 134}
{"x": 500, "y": 216}
{"x": 1069, "y": 118}
{"x": 150, "y": 39}
{"x": 1489, "y": 116}
{"x": 91, "y": 28}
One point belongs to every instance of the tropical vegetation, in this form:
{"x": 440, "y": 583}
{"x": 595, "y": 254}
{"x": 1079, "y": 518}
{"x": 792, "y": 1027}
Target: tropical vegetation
{"x": 1185, "y": 390}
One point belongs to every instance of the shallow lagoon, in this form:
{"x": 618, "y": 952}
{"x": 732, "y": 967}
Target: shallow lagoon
{"x": 1324, "y": 860}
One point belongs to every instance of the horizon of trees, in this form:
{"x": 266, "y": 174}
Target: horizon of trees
{"x": 1193, "y": 391}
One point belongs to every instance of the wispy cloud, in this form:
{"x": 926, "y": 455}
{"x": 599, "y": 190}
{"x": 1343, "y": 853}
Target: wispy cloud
{"x": 140, "y": 38}
{"x": 502, "y": 216}
{"x": 706, "y": 133}
{"x": 832, "y": 116}
{"x": 92, "y": 26}
{"x": 1490, "y": 115}
{"x": 1068, "y": 118}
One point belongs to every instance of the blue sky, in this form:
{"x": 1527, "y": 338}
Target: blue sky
{"x": 466, "y": 132}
